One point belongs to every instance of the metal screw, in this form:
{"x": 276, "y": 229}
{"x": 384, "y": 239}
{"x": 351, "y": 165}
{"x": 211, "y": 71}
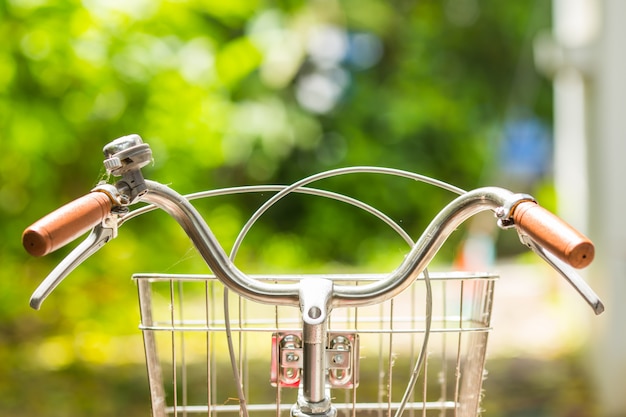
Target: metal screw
{"x": 338, "y": 359}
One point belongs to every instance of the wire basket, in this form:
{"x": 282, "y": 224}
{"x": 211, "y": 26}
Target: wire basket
{"x": 187, "y": 321}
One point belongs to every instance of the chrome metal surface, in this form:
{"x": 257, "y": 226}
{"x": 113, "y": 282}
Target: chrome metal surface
{"x": 433, "y": 237}
{"x": 287, "y": 359}
{"x": 343, "y": 360}
{"x": 567, "y": 272}
{"x": 125, "y": 154}
{"x": 440, "y": 406}
{"x": 121, "y": 144}
{"x": 505, "y": 213}
{"x": 453, "y": 215}
{"x": 98, "y": 237}
{"x": 155, "y": 374}
{"x": 209, "y": 248}
{"x": 315, "y": 296}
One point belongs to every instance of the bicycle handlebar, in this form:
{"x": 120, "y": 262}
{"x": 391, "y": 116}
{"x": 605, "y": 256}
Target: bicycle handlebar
{"x": 66, "y": 224}
{"x": 540, "y": 225}
{"x": 537, "y": 228}
{"x": 72, "y": 220}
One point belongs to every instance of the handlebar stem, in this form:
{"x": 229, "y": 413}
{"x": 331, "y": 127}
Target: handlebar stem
{"x": 315, "y": 296}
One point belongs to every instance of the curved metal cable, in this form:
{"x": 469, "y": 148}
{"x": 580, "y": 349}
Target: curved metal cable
{"x": 335, "y": 173}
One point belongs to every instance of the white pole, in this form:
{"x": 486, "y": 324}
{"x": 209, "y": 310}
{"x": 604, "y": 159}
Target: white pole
{"x": 607, "y": 153}
{"x": 590, "y": 170}
{"x": 574, "y": 29}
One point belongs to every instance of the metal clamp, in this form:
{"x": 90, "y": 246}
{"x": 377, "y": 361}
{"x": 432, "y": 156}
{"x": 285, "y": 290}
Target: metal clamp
{"x": 341, "y": 354}
{"x": 505, "y": 212}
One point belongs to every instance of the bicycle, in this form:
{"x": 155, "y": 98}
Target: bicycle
{"x": 334, "y": 343}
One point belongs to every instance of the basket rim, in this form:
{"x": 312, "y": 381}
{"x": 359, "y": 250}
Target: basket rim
{"x": 433, "y": 276}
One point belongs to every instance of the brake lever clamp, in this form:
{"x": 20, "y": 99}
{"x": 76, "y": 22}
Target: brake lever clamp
{"x": 124, "y": 157}
{"x": 505, "y": 212}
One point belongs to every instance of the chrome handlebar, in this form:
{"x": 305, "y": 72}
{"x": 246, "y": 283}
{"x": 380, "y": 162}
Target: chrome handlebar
{"x": 418, "y": 258}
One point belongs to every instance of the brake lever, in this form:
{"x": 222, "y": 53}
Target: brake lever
{"x": 568, "y": 273}
{"x": 99, "y": 236}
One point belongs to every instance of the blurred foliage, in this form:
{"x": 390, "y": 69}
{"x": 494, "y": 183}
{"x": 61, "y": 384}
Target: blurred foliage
{"x": 230, "y": 93}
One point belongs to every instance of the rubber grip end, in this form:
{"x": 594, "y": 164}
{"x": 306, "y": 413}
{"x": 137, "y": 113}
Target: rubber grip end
{"x": 554, "y": 234}
{"x": 581, "y": 254}
{"x": 36, "y": 242}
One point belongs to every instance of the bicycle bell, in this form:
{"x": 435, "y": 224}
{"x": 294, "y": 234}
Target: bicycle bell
{"x": 125, "y": 157}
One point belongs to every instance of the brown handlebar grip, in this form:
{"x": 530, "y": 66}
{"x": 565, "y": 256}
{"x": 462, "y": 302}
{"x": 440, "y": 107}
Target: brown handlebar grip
{"x": 554, "y": 234}
{"x": 66, "y": 223}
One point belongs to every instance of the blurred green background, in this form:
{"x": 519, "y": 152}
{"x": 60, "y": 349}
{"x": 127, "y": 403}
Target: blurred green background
{"x": 246, "y": 92}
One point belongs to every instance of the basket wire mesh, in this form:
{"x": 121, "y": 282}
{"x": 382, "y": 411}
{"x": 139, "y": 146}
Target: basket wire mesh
{"x": 210, "y": 352}
{"x": 189, "y": 366}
